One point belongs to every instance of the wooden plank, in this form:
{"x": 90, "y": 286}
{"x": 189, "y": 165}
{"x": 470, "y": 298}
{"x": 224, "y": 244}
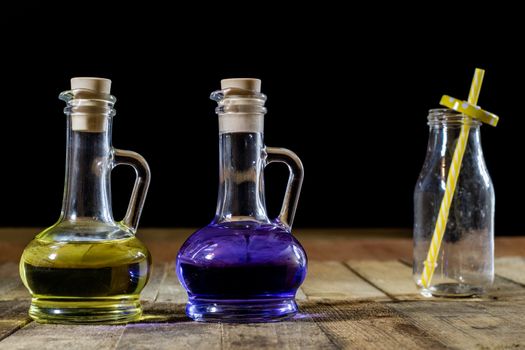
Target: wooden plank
{"x": 469, "y": 324}
{"x": 345, "y": 246}
{"x": 164, "y": 243}
{"x": 300, "y": 296}
{"x": 9, "y": 327}
{"x": 392, "y": 277}
{"x": 509, "y": 246}
{"x": 14, "y": 309}
{"x": 504, "y": 289}
{"x": 12, "y": 287}
{"x": 163, "y": 312}
{"x": 509, "y": 282}
{"x": 13, "y": 241}
{"x": 13, "y": 316}
{"x": 369, "y": 325}
{"x": 52, "y": 337}
{"x": 158, "y": 274}
{"x": 171, "y": 290}
{"x": 511, "y": 268}
{"x": 182, "y": 335}
{"x": 332, "y": 280}
{"x": 300, "y": 334}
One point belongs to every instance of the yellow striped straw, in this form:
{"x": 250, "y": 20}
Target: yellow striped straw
{"x": 452, "y": 179}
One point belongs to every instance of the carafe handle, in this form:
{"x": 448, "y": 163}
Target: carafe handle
{"x": 295, "y": 181}
{"x": 140, "y": 189}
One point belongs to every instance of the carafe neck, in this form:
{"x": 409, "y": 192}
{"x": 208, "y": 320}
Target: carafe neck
{"x": 242, "y": 153}
{"x": 89, "y": 157}
{"x": 87, "y": 192}
{"x": 241, "y": 182}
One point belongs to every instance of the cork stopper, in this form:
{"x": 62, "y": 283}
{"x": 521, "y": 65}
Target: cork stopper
{"x": 85, "y": 119}
{"x": 244, "y": 122}
{"x": 98, "y": 85}
{"x": 242, "y": 83}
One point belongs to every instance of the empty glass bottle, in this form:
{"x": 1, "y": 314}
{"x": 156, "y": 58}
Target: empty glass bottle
{"x": 243, "y": 266}
{"x": 87, "y": 268}
{"x": 465, "y": 264}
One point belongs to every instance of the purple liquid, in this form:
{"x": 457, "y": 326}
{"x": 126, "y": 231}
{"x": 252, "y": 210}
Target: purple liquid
{"x": 241, "y": 271}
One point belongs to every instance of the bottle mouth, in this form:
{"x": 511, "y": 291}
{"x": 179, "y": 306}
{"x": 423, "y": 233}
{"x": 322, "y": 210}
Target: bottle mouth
{"x": 239, "y": 101}
{"x": 85, "y": 94}
{"x": 220, "y": 95}
{"x": 449, "y": 117}
{"x": 88, "y": 102}
{"x": 89, "y": 111}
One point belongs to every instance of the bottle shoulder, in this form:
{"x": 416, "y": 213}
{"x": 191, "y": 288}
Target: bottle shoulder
{"x": 228, "y": 245}
{"x": 241, "y": 230}
{"x": 85, "y": 231}
{"x": 84, "y": 246}
{"x": 85, "y": 254}
{"x": 473, "y": 173}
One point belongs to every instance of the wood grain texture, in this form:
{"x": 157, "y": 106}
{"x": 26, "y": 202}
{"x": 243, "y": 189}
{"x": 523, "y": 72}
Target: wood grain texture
{"x": 332, "y": 280}
{"x": 300, "y": 296}
{"x": 9, "y": 327}
{"x": 345, "y": 247}
{"x": 512, "y": 268}
{"x": 160, "y": 312}
{"x": 300, "y": 334}
{"x": 509, "y": 246}
{"x": 183, "y": 335}
{"x": 157, "y": 277}
{"x": 504, "y": 289}
{"x": 52, "y": 337}
{"x": 392, "y": 277}
{"x": 13, "y": 309}
{"x": 468, "y": 324}
{"x": 342, "y": 306}
{"x": 13, "y": 315}
{"x": 13, "y": 242}
{"x": 171, "y": 290}
{"x": 369, "y": 325}
{"x": 11, "y": 286}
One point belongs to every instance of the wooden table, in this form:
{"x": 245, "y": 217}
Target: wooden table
{"x": 358, "y": 294}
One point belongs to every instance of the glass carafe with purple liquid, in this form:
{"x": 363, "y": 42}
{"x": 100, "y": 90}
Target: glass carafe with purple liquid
{"x": 243, "y": 266}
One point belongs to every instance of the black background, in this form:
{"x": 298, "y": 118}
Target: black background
{"x": 348, "y": 91}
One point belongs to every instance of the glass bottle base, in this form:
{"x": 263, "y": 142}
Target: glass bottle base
{"x": 241, "y": 311}
{"x": 452, "y": 290}
{"x": 85, "y": 311}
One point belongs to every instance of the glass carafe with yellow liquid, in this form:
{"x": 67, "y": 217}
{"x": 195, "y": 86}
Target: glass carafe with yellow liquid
{"x": 88, "y": 268}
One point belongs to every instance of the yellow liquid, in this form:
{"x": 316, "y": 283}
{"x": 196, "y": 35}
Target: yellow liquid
{"x": 85, "y": 282}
